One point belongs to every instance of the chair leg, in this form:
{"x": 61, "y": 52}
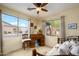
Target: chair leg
{"x": 23, "y": 45}
{"x": 34, "y": 52}
{"x": 27, "y": 44}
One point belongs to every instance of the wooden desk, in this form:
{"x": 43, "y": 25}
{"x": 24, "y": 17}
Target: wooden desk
{"x": 38, "y": 37}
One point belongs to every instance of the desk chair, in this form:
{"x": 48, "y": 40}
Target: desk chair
{"x": 25, "y": 40}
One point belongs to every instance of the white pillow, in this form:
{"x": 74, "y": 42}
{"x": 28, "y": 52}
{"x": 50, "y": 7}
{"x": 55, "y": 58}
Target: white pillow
{"x": 72, "y": 43}
{"x": 57, "y": 46}
{"x": 67, "y": 43}
{"x": 75, "y": 50}
{"x": 78, "y": 43}
{"x": 54, "y": 50}
{"x": 64, "y": 49}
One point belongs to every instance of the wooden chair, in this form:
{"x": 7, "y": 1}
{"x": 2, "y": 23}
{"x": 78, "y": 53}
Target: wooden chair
{"x": 25, "y": 40}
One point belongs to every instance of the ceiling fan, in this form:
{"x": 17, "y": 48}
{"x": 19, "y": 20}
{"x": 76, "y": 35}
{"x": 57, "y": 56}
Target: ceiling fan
{"x": 39, "y": 7}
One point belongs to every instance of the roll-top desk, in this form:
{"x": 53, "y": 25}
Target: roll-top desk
{"x": 39, "y": 37}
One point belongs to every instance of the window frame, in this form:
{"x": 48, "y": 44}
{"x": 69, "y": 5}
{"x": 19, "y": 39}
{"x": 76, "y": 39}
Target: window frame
{"x": 18, "y": 18}
{"x": 49, "y": 26}
{"x": 28, "y": 26}
{"x": 12, "y": 16}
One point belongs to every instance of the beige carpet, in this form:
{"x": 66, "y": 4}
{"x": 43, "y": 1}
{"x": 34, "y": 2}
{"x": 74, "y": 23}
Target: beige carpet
{"x": 28, "y": 51}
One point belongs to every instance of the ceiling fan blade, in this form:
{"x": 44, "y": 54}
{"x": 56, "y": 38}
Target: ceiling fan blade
{"x": 37, "y": 12}
{"x": 37, "y": 4}
{"x": 43, "y": 4}
{"x": 31, "y": 8}
{"x": 44, "y": 10}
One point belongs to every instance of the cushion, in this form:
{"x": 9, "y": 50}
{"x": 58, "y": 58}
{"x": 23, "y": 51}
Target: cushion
{"x": 67, "y": 43}
{"x": 64, "y": 48}
{"x": 54, "y": 50}
{"x": 78, "y": 43}
{"x": 57, "y": 46}
{"x": 61, "y": 52}
{"x": 72, "y": 43}
{"x": 75, "y": 50}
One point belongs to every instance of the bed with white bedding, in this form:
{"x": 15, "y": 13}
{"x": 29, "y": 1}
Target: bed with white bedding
{"x": 67, "y": 48}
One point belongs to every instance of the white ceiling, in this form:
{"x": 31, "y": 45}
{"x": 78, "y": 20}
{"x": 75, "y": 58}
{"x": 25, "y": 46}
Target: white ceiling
{"x": 53, "y": 8}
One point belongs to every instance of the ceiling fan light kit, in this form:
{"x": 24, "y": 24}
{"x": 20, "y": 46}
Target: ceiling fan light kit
{"x": 39, "y": 7}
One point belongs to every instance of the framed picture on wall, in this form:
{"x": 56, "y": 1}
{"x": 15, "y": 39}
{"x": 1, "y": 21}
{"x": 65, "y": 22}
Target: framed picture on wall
{"x": 72, "y": 26}
{"x": 35, "y": 27}
{"x": 31, "y": 24}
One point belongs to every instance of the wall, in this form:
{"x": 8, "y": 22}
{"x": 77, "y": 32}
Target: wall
{"x": 51, "y": 41}
{"x": 71, "y": 16}
{"x": 11, "y": 44}
{"x": 37, "y": 23}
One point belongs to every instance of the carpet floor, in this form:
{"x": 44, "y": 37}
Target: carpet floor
{"x": 28, "y": 51}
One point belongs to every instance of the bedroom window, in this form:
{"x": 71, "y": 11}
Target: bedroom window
{"x": 9, "y": 23}
{"x": 14, "y": 26}
{"x": 5, "y": 32}
{"x": 53, "y": 27}
{"x": 24, "y": 27}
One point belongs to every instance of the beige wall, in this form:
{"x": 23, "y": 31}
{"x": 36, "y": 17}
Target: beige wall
{"x": 37, "y": 23}
{"x": 11, "y": 44}
{"x": 51, "y": 41}
{"x": 71, "y": 16}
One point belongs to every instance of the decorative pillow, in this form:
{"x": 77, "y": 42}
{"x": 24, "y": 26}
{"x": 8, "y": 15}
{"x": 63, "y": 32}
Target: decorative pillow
{"x": 75, "y": 50}
{"x": 67, "y": 43}
{"x": 61, "y": 52}
{"x": 64, "y": 49}
{"x": 57, "y": 46}
{"x": 78, "y": 43}
{"x": 54, "y": 50}
{"x": 72, "y": 43}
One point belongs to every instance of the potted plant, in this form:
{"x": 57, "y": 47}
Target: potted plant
{"x": 39, "y": 31}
